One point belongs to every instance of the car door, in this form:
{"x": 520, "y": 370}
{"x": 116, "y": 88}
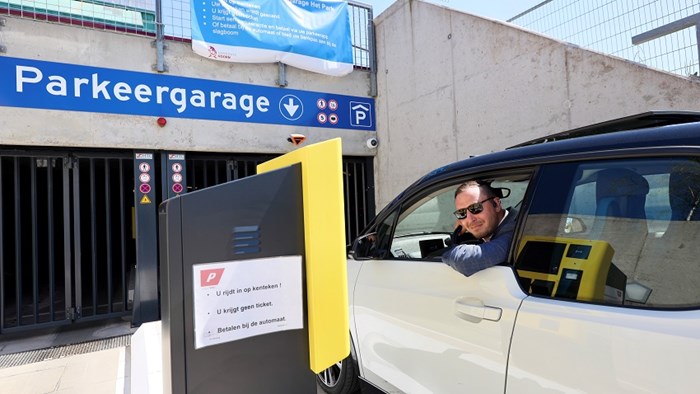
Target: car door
{"x": 422, "y": 327}
{"x": 609, "y": 251}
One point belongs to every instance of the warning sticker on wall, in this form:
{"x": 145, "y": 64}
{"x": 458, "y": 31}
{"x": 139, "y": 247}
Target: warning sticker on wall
{"x": 240, "y": 299}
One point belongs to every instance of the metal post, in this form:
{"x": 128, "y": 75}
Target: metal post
{"x": 697, "y": 43}
{"x": 146, "y": 303}
{"x": 689, "y": 21}
{"x": 160, "y": 39}
{"x": 372, "y": 55}
{"x": 282, "y": 79}
{"x": 67, "y": 255}
{"x": 173, "y": 166}
{"x": 18, "y": 246}
{"x": 51, "y": 235}
{"x": 2, "y": 259}
{"x": 76, "y": 310}
{"x": 3, "y": 49}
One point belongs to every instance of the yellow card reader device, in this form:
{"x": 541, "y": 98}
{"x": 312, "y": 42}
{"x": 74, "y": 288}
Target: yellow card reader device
{"x": 570, "y": 268}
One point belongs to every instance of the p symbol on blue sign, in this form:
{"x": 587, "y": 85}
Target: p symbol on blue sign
{"x": 360, "y": 114}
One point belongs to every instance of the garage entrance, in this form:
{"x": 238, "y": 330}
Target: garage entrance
{"x": 66, "y": 241}
{"x": 67, "y": 228}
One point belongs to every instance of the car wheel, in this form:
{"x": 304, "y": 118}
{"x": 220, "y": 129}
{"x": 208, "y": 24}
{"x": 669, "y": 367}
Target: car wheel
{"x": 340, "y": 378}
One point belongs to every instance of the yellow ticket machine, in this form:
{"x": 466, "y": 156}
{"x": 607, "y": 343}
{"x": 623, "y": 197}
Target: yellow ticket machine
{"x": 570, "y": 268}
{"x": 254, "y": 279}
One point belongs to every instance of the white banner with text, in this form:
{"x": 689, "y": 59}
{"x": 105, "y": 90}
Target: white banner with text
{"x": 313, "y": 35}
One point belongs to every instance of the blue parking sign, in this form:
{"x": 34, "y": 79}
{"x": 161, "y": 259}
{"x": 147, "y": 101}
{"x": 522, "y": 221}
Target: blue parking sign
{"x": 50, "y": 85}
{"x": 360, "y": 114}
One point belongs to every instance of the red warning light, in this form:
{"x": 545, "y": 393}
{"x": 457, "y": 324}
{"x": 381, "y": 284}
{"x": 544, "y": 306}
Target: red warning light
{"x": 162, "y": 121}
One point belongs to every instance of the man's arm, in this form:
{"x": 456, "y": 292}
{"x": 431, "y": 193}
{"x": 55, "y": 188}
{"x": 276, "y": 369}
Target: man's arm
{"x": 469, "y": 259}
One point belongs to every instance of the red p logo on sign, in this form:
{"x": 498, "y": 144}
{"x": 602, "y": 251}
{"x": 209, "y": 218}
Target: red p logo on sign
{"x": 210, "y": 277}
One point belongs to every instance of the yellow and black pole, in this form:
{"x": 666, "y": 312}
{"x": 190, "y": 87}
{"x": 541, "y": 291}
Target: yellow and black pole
{"x": 324, "y": 243}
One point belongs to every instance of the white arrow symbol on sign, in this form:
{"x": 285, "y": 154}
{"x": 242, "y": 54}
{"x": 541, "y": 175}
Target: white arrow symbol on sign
{"x": 291, "y": 107}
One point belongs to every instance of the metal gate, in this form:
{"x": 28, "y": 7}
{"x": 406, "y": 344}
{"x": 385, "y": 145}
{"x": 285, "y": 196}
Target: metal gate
{"x": 68, "y": 235}
{"x": 66, "y": 242}
{"x": 358, "y": 183}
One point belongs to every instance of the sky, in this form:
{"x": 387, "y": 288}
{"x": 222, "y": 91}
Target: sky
{"x": 495, "y": 9}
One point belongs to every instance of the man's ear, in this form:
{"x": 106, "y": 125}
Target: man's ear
{"x": 496, "y": 203}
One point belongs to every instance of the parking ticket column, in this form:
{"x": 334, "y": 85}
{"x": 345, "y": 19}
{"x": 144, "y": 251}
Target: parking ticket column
{"x": 146, "y": 306}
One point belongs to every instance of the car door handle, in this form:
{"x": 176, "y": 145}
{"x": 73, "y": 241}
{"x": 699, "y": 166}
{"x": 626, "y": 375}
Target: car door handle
{"x": 474, "y": 310}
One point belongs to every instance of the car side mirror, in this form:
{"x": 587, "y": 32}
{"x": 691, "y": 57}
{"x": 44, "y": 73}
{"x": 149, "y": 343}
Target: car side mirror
{"x": 363, "y": 246}
{"x": 574, "y": 225}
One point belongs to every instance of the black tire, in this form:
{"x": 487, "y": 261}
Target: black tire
{"x": 341, "y": 378}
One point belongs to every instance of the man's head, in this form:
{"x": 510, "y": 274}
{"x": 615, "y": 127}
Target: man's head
{"x": 479, "y": 208}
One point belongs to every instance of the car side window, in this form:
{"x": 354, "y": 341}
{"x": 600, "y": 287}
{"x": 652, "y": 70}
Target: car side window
{"x": 620, "y": 232}
{"x": 424, "y": 227}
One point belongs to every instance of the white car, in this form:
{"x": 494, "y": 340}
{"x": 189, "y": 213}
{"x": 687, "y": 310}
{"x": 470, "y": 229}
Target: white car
{"x": 600, "y": 292}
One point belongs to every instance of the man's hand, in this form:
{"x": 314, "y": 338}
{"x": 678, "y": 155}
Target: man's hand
{"x": 462, "y": 236}
{"x": 456, "y": 233}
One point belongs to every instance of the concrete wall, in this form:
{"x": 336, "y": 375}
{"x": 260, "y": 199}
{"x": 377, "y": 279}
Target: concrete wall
{"x": 450, "y": 85}
{"x": 34, "y": 40}
{"x": 453, "y": 85}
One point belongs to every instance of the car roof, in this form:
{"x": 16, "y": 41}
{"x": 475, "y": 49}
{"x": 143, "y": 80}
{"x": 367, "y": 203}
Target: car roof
{"x": 667, "y": 129}
{"x": 632, "y": 122}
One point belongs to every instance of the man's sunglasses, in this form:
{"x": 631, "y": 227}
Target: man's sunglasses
{"x": 474, "y": 209}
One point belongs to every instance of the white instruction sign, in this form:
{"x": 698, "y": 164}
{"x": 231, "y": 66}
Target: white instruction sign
{"x": 240, "y": 299}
